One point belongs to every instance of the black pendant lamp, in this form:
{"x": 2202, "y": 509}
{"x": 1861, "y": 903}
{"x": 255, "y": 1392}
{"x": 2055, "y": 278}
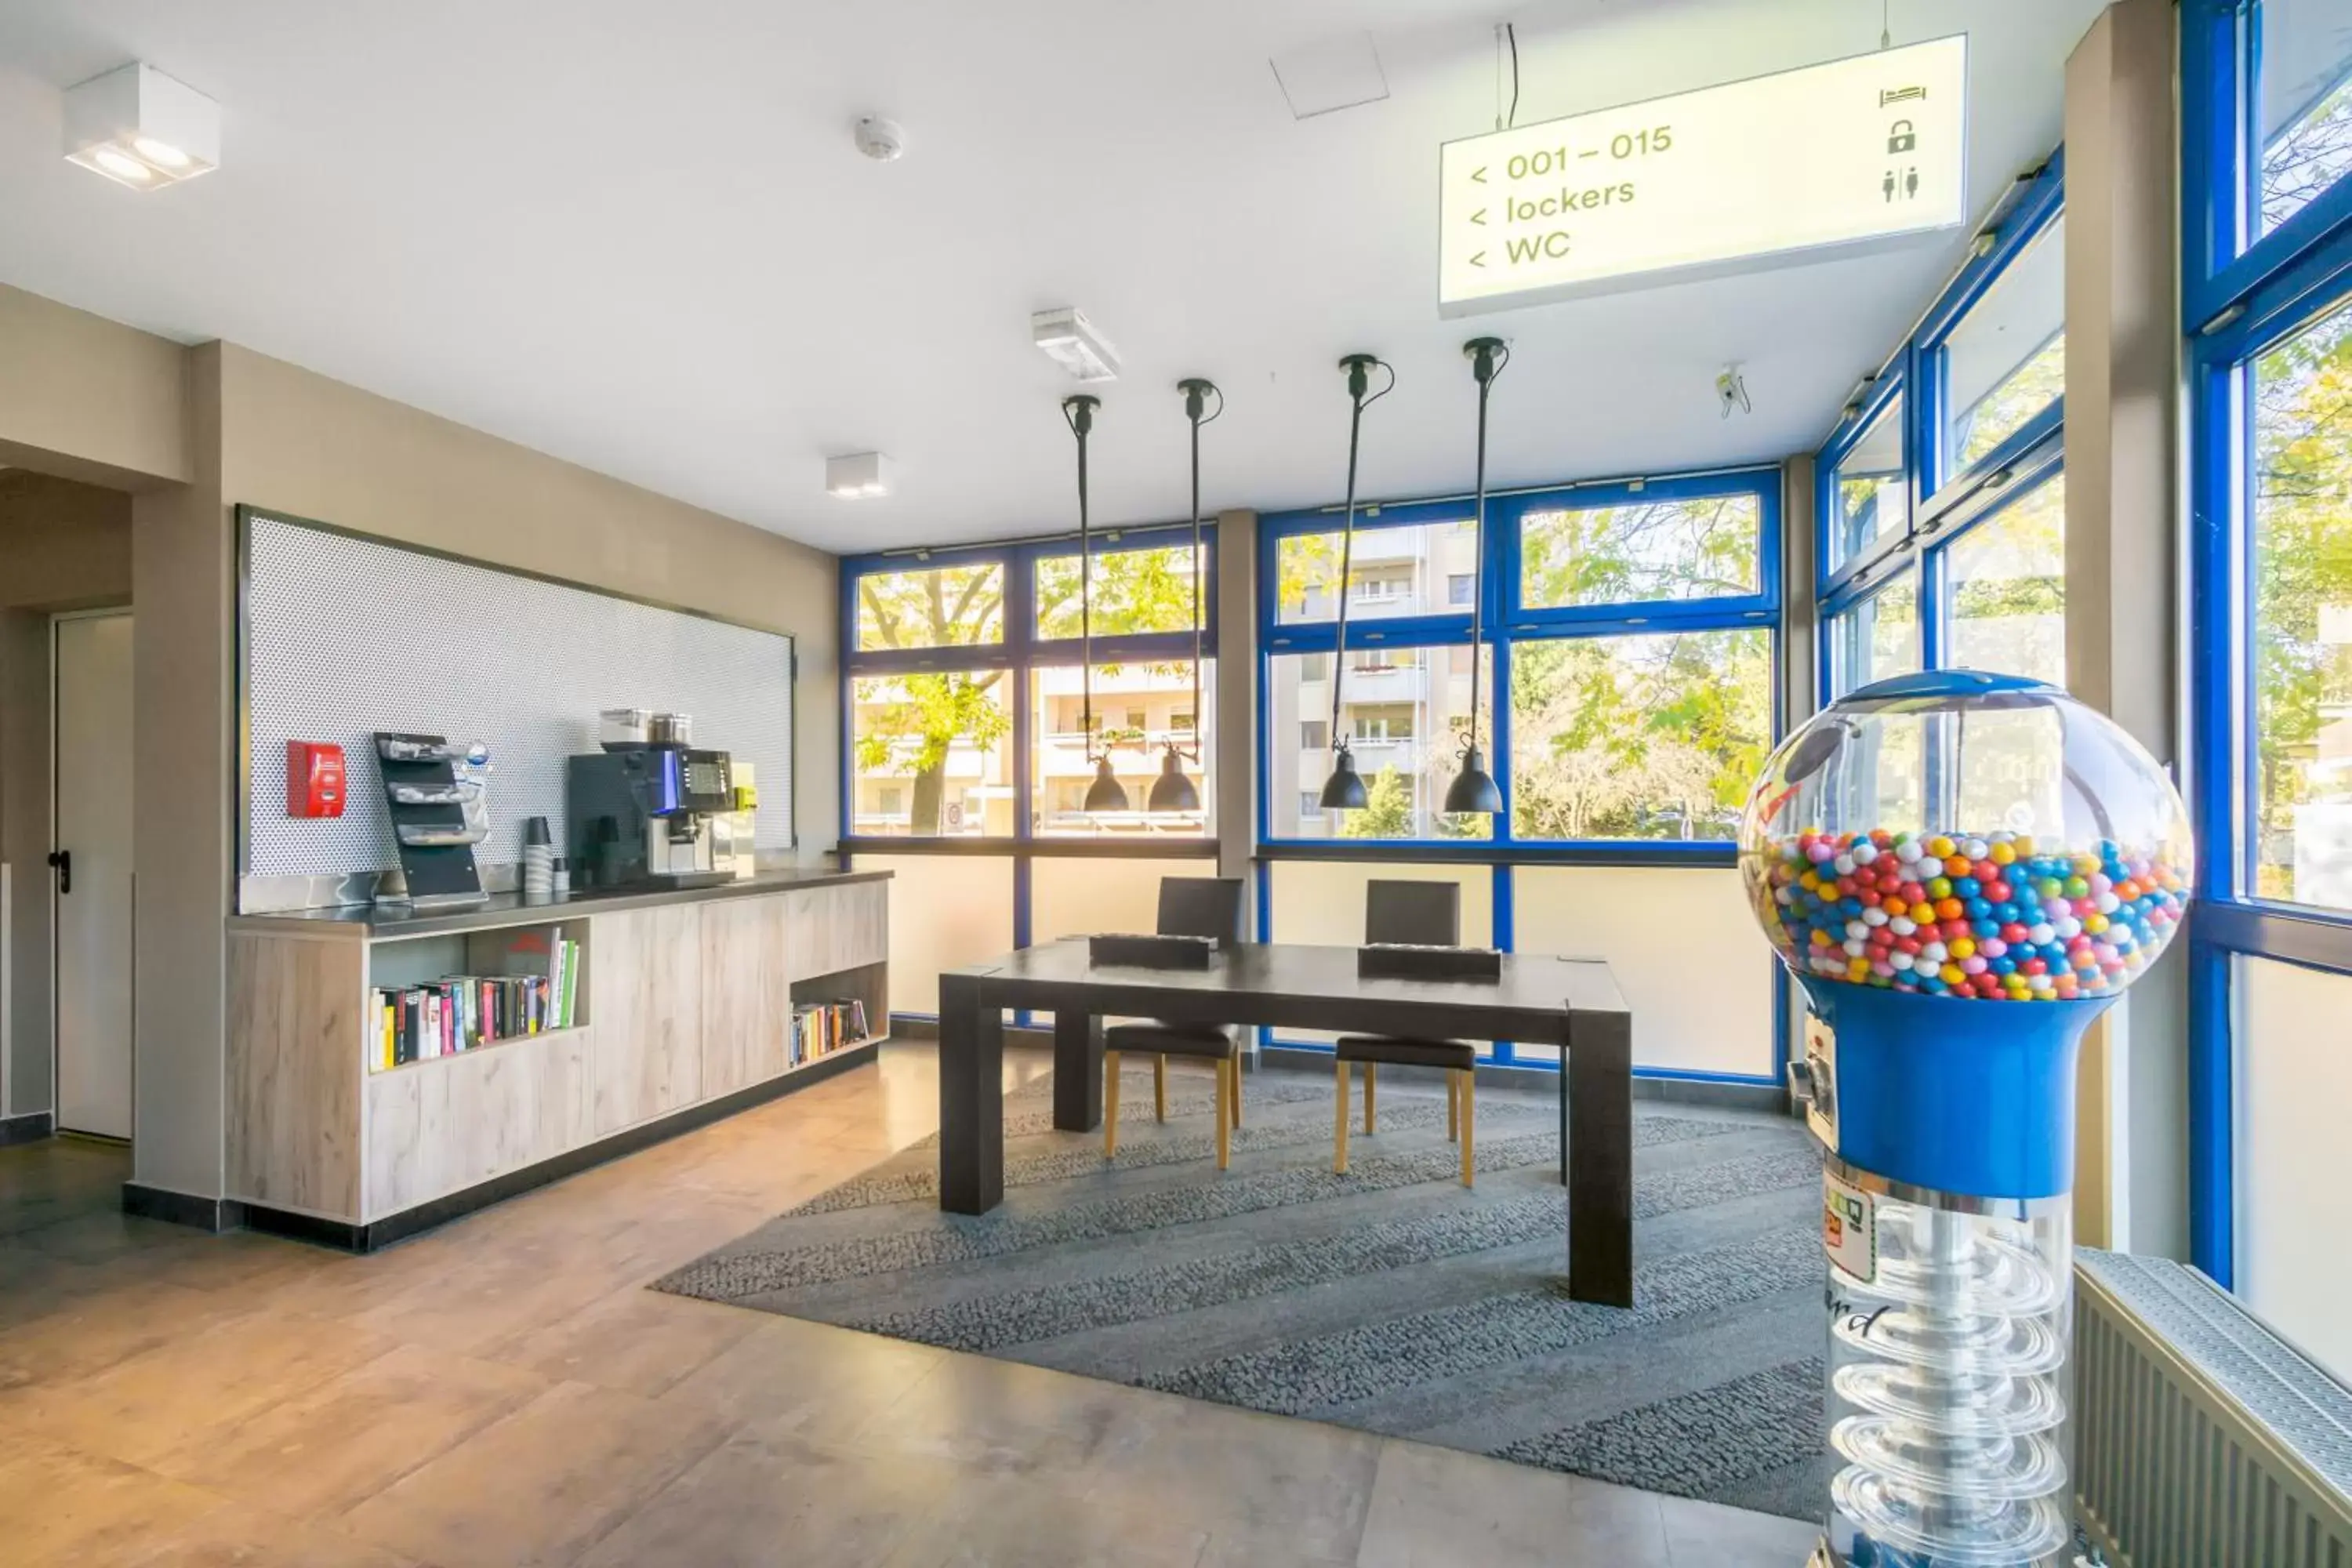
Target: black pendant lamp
{"x": 1473, "y": 791}
{"x": 1106, "y": 793}
{"x": 1172, "y": 791}
{"x": 1344, "y": 790}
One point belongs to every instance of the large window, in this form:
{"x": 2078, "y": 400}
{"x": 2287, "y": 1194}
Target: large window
{"x": 1142, "y": 707}
{"x": 2299, "y": 829}
{"x": 1869, "y": 487}
{"x": 937, "y": 606}
{"x": 1630, "y": 649}
{"x": 965, "y": 695}
{"x": 1401, "y": 710}
{"x": 932, "y": 755}
{"x": 2266, "y": 133}
{"x": 1875, "y": 638}
{"x": 2006, "y": 361}
{"x": 1645, "y": 550}
{"x": 2005, "y": 589}
{"x": 2303, "y": 105}
{"x": 1393, "y": 570}
{"x": 1638, "y": 737}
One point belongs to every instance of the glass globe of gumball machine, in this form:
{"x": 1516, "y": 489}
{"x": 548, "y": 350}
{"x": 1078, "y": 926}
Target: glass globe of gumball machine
{"x": 1962, "y": 869}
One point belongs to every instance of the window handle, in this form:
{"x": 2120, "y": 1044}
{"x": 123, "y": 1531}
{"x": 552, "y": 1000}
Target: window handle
{"x": 63, "y": 860}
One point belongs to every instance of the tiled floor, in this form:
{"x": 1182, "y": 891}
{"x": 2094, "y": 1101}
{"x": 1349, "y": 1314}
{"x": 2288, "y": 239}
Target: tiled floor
{"x": 505, "y": 1392}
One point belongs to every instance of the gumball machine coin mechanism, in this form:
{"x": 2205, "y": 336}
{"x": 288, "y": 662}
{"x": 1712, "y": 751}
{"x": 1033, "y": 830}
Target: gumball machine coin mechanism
{"x": 1962, "y": 870}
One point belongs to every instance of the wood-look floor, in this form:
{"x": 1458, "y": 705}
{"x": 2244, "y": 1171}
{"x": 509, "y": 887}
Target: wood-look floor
{"x": 505, "y": 1392}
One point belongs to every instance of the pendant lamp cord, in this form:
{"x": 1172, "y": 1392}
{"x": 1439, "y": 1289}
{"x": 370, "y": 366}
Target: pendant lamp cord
{"x": 1196, "y": 398}
{"x": 1358, "y": 368}
{"x": 1486, "y": 368}
{"x": 1078, "y": 409}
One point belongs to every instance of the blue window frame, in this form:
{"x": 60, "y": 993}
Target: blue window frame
{"x": 1007, "y": 662}
{"x": 1626, "y": 577}
{"x": 2267, "y": 305}
{"x": 1977, "y": 543}
{"x": 1649, "y": 580}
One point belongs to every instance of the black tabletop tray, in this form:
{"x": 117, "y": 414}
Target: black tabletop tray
{"x": 1152, "y": 952}
{"x": 1402, "y": 961}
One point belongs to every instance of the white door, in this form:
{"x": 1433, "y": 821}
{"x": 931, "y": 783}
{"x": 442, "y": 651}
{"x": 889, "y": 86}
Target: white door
{"x": 90, "y": 881}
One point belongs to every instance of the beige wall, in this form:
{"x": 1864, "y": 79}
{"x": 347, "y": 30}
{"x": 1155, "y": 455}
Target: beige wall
{"x": 195, "y": 432}
{"x": 63, "y": 546}
{"x": 90, "y": 398}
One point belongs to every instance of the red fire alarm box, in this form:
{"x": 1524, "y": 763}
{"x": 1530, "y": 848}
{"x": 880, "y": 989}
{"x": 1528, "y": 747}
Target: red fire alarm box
{"x": 314, "y": 778}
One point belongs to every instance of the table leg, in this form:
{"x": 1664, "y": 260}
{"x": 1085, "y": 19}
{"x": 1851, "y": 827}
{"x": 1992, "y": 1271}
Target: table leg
{"x": 1597, "y": 1126}
{"x": 971, "y": 1097}
{"x": 1077, "y": 1071}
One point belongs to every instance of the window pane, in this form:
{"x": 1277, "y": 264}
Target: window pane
{"x": 2006, "y": 362}
{"x": 933, "y": 754}
{"x": 1133, "y": 591}
{"x": 1400, "y": 571}
{"x": 1876, "y": 638}
{"x": 2305, "y": 108}
{"x": 1648, "y": 550}
{"x": 2006, "y": 579}
{"x": 1140, "y": 707}
{"x": 944, "y": 606}
{"x": 1638, "y": 737}
{"x": 946, "y": 910}
{"x": 2302, "y": 766}
{"x": 1402, "y": 709}
{"x": 1870, "y": 492}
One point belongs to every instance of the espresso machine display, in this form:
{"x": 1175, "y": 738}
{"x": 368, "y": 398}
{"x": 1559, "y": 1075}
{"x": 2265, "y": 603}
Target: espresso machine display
{"x": 645, "y": 814}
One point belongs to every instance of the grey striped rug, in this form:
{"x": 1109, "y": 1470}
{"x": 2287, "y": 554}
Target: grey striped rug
{"x": 1390, "y": 1298}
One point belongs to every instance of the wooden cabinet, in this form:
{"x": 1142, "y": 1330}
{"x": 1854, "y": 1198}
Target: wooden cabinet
{"x": 747, "y": 993}
{"x": 648, "y": 1046}
{"x": 679, "y": 1003}
{"x": 833, "y": 929}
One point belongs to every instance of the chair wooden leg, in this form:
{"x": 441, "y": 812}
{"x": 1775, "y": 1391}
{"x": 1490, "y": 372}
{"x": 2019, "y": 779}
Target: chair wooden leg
{"x": 1224, "y": 1115}
{"x": 1340, "y": 1128}
{"x": 1110, "y": 1104}
{"x": 1371, "y": 1092}
{"x": 1469, "y": 1125}
{"x": 1453, "y": 1107}
{"x": 1159, "y": 1089}
{"x": 1238, "y": 1093}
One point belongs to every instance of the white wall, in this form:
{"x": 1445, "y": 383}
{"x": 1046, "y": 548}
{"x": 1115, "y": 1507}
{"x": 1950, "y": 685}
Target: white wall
{"x": 2293, "y": 1158}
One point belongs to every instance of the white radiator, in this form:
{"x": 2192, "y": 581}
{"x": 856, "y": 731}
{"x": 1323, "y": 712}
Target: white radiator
{"x": 2202, "y": 1439}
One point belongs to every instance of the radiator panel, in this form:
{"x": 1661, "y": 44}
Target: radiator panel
{"x": 2203, "y": 1439}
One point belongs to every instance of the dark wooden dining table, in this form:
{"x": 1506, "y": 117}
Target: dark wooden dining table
{"x": 1574, "y": 1004}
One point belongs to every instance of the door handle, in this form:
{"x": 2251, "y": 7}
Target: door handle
{"x": 63, "y": 860}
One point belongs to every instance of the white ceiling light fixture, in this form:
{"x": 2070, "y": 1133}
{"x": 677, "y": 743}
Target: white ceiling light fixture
{"x": 141, "y": 128}
{"x": 860, "y": 476}
{"x": 1072, "y": 342}
{"x": 880, "y": 138}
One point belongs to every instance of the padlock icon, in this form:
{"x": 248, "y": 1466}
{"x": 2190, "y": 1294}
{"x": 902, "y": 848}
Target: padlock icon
{"x": 1900, "y": 138}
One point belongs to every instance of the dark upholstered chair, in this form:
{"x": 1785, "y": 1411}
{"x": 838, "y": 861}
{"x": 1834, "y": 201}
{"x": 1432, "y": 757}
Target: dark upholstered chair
{"x": 1428, "y": 914}
{"x": 1189, "y": 905}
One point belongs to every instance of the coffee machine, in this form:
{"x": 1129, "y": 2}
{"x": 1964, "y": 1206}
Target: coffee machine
{"x": 643, "y": 814}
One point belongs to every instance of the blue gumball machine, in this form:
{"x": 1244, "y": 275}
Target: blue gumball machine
{"x": 1962, "y": 869}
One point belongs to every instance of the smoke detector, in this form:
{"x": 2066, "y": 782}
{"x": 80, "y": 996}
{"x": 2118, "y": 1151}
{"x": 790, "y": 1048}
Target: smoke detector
{"x": 1071, "y": 341}
{"x": 880, "y": 139}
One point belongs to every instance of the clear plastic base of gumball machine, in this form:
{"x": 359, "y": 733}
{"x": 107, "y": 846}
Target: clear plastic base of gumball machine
{"x": 1950, "y": 1321}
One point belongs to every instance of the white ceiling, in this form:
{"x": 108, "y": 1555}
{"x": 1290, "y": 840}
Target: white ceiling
{"x": 639, "y": 238}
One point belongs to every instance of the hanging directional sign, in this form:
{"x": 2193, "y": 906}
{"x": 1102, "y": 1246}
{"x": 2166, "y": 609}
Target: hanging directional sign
{"x": 1768, "y": 169}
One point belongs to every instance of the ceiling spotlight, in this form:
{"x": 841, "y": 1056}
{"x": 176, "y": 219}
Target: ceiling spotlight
{"x": 861, "y": 476}
{"x": 1071, "y": 341}
{"x": 141, "y": 128}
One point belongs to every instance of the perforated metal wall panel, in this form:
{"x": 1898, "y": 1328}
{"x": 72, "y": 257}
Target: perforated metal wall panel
{"x": 345, "y": 637}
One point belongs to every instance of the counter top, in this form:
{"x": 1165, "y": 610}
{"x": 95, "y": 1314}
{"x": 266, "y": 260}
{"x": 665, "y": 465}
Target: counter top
{"x": 371, "y": 923}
